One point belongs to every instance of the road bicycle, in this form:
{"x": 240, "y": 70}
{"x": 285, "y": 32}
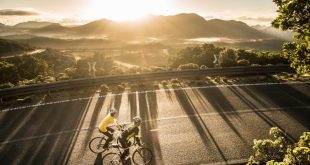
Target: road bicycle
{"x": 96, "y": 144}
{"x": 140, "y": 156}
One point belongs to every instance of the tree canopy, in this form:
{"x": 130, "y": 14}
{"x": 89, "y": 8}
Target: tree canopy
{"x": 294, "y": 15}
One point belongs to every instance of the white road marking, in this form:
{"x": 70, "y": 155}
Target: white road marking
{"x": 160, "y": 90}
{"x": 259, "y": 110}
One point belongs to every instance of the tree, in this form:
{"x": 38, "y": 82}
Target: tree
{"x": 279, "y": 150}
{"x": 229, "y": 57}
{"x": 30, "y": 67}
{"x": 8, "y": 73}
{"x": 201, "y": 55}
{"x": 294, "y": 15}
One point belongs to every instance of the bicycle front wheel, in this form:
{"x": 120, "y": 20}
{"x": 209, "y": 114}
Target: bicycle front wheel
{"x": 96, "y": 145}
{"x": 111, "y": 158}
{"x": 142, "y": 156}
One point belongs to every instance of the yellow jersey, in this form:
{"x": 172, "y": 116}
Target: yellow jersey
{"x": 106, "y": 122}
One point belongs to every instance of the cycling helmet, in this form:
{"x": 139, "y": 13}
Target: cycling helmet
{"x": 137, "y": 119}
{"x": 112, "y": 110}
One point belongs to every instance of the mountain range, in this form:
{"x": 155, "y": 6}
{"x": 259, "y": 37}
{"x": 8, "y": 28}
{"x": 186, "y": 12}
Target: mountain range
{"x": 175, "y": 26}
{"x": 103, "y": 33}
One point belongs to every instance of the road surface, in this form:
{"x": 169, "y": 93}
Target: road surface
{"x": 208, "y": 125}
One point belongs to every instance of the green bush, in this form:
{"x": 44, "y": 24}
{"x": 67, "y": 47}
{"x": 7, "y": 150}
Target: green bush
{"x": 62, "y": 76}
{"x": 175, "y": 80}
{"x": 120, "y": 88}
{"x": 164, "y": 83}
{"x": 26, "y": 82}
{"x": 117, "y": 70}
{"x": 104, "y": 88}
{"x": 71, "y": 72}
{"x": 188, "y": 66}
{"x": 255, "y": 65}
{"x": 48, "y": 79}
{"x": 243, "y": 62}
{"x": 158, "y": 69}
{"x": 6, "y": 85}
{"x": 203, "y": 67}
{"x": 278, "y": 150}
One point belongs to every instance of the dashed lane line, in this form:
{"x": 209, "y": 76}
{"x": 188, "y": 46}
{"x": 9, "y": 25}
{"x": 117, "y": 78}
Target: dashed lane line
{"x": 259, "y": 110}
{"x": 160, "y": 90}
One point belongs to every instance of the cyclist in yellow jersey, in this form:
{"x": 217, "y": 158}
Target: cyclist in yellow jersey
{"x": 105, "y": 123}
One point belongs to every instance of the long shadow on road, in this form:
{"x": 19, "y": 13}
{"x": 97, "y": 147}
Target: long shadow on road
{"x": 132, "y": 101}
{"x": 40, "y": 135}
{"x": 254, "y": 107}
{"x": 190, "y": 110}
{"x": 149, "y": 129}
{"x": 93, "y": 122}
{"x": 221, "y": 104}
{"x": 284, "y": 96}
{"x": 117, "y": 101}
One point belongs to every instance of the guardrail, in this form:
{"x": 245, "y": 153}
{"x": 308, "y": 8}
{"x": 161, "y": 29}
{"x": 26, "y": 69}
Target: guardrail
{"x": 76, "y": 83}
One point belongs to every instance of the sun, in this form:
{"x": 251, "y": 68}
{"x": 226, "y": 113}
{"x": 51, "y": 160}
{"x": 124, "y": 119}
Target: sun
{"x": 119, "y": 10}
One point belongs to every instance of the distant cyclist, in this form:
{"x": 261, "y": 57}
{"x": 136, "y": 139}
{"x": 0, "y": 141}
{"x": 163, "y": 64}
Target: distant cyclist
{"x": 105, "y": 123}
{"x": 132, "y": 131}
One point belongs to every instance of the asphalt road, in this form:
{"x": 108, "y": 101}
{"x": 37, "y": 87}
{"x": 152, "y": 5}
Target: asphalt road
{"x": 212, "y": 125}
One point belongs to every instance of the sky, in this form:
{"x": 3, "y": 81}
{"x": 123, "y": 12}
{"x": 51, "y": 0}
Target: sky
{"x": 251, "y": 12}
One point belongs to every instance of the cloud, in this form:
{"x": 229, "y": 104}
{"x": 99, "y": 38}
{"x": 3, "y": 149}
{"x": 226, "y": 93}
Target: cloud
{"x": 262, "y": 19}
{"x": 14, "y": 12}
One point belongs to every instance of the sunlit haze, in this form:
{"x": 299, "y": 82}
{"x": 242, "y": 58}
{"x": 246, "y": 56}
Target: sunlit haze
{"x": 79, "y": 11}
{"x": 120, "y": 10}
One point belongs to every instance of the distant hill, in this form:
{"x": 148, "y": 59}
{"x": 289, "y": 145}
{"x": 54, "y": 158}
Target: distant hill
{"x": 52, "y": 29}
{"x": 167, "y": 30}
{"x": 32, "y": 24}
{"x": 99, "y": 27}
{"x": 8, "y": 48}
{"x": 3, "y": 27}
{"x": 175, "y": 26}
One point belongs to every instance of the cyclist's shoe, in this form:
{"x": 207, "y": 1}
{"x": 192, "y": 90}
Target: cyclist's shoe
{"x": 126, "y": 160}
{"x": 115, "y": 145}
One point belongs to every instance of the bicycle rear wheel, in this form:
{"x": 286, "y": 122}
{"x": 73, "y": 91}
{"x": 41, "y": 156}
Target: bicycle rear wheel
{"x": 142, "y": 156}
{"x": 111, "y": 158}
{"x": 96, "y": 145}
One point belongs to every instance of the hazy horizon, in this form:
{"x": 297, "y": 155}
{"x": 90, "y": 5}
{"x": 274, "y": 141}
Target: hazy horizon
{"x": 77, "y": 12}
